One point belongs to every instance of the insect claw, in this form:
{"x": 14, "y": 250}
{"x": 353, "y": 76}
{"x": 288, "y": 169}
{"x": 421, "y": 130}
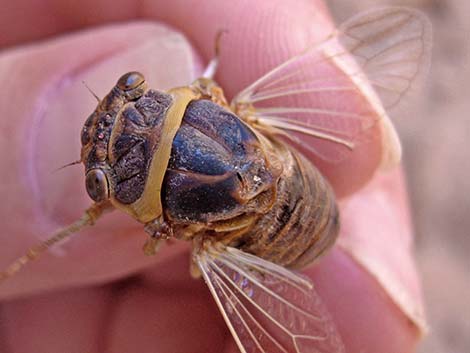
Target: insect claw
{"x": 157, "y": 229}
{"x": 194, "y": 270}
{"x": 151, "y": 246}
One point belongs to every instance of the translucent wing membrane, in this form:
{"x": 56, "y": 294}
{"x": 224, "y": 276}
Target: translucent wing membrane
{"x": 331, "y": 92}
{"x": 268, "y": 308}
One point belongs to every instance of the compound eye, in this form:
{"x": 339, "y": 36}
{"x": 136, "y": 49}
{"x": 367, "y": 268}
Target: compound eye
{"x": 130, "y": 81}
{"x": 97, "y": 185}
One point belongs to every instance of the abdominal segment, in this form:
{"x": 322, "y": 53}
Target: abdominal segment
{"x": 302, "y": 224}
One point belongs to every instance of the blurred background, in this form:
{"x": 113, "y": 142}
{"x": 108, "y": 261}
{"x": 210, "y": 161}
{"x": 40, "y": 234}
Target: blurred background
{"x": 437, "y": 162}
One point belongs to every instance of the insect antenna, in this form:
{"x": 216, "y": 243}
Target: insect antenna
{"x": 68, "y": 165}
{"x": 88, "y": 219}
{"x": 91, "y": 91}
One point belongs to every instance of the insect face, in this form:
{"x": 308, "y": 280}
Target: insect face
{"x": 110, "y": 139}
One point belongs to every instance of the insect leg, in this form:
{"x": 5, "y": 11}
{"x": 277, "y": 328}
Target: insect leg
{"x": 212, "y": 66}
{"x": 157, "y": 229}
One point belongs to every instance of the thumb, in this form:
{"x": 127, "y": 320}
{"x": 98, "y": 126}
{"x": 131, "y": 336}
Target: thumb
{"x": 47, "y": 105}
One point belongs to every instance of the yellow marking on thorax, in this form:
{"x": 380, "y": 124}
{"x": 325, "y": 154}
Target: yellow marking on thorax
{"x": 149, "y": 206}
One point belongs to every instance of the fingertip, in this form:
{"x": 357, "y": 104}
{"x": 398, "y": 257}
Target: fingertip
{"x": 352, "y": 173}
{"x": 367, "y": 320}
{"x": 163, "y": 319}
{"x": 377, "y": 234}
{"x": 64, "y": 321}
{"x": 369, "y": 280}
{"x": 260, "y": 34}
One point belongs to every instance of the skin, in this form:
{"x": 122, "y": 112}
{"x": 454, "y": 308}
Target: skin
{"x": 98, "y": 293}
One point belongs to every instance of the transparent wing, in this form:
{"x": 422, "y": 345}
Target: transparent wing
{"x": 331, "y": 92}
{"x": 268, "y": 308}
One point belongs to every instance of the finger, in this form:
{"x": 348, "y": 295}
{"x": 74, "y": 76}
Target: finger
{"x": 253, "y": 46}
{"x": 261, "y": 60}
{"x": 377, "y": 234}
{"x": 173, "y": 320}
{"x": 369, "y": 282}
{"x": 49, "y": 104}
{"x": 367, "y": 319}
{"x": 351, "y": 176}
{"x": 168, "y": 311}
{"x": 177, "y": 320}
{"x": 65, "y": 321}
{"x": 260, "y": 36}
{"x": 131, "y": 315}
{"x": 52, "y": 17}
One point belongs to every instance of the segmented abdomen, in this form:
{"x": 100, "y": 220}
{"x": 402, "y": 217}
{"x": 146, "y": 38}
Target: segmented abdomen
{"x": 303, "y": 222}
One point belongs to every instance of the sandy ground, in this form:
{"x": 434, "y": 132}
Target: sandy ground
{"x": 434, "y": 131}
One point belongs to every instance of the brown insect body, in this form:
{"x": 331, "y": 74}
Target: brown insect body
{"x": 224, "y": 180}
{"x": 189, "y": 166}
{"x": 250, "y": 191}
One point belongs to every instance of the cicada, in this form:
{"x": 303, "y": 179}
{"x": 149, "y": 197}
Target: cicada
{"x": 229, "y": 177}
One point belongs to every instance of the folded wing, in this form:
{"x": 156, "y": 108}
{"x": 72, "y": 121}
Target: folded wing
{"x": 336, "y": 90}
{"x": 267, "y": 308}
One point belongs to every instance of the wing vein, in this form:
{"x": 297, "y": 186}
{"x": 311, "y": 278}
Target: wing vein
{"x": 249, "y": 315}
{"x": 267, "y": 290}
{"x": 205, "y": 273}
{"x": 279, "y": 272}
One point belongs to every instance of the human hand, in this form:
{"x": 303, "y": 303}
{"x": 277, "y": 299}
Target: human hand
{"x": 98, "y": 292}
